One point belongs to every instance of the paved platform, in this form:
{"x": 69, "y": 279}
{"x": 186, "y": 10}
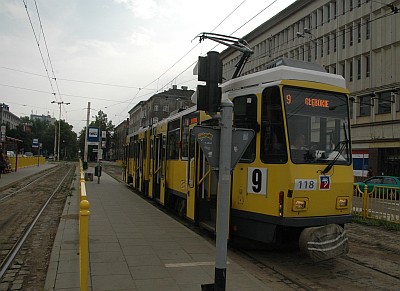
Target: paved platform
{"x": 135, "y": 246}
{"x": 22, "y": 173}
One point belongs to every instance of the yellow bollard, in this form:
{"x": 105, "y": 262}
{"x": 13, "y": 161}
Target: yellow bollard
{"x": 365, "y": 202}
{"x": 84, "y": 243}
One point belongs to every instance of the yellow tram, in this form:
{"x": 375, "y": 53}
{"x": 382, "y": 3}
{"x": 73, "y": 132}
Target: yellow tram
{"x": 295, "y": 174}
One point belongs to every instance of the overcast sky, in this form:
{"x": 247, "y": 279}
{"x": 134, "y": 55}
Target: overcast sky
{"x": 112, "y": 53}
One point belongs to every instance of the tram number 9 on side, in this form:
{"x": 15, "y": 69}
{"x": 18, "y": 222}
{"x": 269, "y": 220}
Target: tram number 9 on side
{"x": 257, "y": 180}
{"x": 305, "y": 184}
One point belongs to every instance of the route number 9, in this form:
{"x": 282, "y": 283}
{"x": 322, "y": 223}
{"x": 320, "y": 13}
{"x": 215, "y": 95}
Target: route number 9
{"x": 257, "y": 180}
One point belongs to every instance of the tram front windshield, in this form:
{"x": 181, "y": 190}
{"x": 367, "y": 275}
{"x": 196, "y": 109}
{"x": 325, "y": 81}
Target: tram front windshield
{"x": 317, "y": 125}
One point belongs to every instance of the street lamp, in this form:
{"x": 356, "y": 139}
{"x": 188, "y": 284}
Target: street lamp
{"x": 59, "y": 128}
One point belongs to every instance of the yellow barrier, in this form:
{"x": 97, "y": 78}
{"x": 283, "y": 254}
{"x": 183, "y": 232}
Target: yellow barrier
{"x": 381, "y": 203}
{"x": 84, "y": 213}
{"x": 24, "y": 162}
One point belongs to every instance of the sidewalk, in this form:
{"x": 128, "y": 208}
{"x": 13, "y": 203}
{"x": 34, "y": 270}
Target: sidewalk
{"x": 135, "y": 246}
{"x": 23, "y": 173}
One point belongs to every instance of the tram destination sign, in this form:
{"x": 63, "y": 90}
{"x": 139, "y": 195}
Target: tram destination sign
{"x": 208, "y": 138}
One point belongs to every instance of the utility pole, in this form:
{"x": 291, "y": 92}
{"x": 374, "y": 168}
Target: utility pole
{"x": 55, "y": 141}
{"x": 85, "y": 155}
{"x": 59, "y": 125}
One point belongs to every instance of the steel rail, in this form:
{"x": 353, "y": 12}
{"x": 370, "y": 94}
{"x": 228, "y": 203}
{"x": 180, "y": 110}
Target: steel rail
{"x": 17, "y": 246}
{"x": 30, "y": 183}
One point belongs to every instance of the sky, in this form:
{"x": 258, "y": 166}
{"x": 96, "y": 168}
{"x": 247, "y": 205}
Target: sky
{"x": 111, "y": 53}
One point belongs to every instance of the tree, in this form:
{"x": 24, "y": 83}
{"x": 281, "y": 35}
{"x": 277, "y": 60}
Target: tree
{"x": 44, "y": 131}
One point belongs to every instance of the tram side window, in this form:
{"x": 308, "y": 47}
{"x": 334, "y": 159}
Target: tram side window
{"x": 245, "y": 116}
{"x": 173, "y": 140}
{"x": 273, "y": 145}
{"x": 186, "y": 122}
{"x": 131, "y": 149}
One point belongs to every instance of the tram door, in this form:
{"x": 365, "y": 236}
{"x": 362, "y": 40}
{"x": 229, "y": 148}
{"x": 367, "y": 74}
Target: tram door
{"x": 159, "y": 168}
{"x": 140, "y": 167}
{"x": 205, "y": 187}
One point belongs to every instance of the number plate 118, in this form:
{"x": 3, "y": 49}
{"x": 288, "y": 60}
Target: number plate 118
{"x": 305, "y": 184}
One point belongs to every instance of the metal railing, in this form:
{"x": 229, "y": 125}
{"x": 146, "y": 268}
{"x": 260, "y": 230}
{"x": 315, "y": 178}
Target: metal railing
{"x": 382, "y": 203}
{"x": 83, "y": 233}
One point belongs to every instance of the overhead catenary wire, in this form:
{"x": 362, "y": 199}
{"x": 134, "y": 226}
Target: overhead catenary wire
{"x": 241, "y": 26}
{"x": 77, "y": 81}
{"x": 38, "y": 44}
{"x": 180, "y": 59}
{"x": 140, "y": 89}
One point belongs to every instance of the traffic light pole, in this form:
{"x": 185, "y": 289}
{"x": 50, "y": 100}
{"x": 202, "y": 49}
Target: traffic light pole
{"x": 223, "y": 199}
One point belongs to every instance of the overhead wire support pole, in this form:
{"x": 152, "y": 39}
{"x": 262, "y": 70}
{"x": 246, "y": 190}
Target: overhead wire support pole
{"x": 59, "y": 126}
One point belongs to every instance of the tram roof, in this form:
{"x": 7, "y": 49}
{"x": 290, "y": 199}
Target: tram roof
{"x": 286, "y": 71}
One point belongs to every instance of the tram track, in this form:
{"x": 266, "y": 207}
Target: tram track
{"x": 21, "y": 215}
{"x": 13, "y": 188}
{"x": 368, "y": 266}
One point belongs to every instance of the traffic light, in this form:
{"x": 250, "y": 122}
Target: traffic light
{"x": 209, "y": 71}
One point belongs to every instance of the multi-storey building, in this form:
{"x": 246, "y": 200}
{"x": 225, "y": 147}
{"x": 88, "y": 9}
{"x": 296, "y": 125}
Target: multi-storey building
{"x": 42, "y": 117}
{"x": 359, "y": 40}
{"x": 120, "y": 134}
{"x": 8, "y": 118}
{"x": 158, "y": 107}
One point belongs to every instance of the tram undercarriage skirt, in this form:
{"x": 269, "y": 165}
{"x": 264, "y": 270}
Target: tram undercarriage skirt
{"x": 324, "y": 242}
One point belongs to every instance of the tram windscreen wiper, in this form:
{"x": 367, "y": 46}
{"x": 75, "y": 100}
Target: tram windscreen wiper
{"x": 341, "y": 145}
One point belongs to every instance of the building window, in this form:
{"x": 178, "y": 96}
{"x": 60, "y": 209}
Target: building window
{"x": 343, "y": 38}
{"x": 367, "y": 66}
{"x": 322, "y": 46}
{"x": 351, "y": 71}
{"x": 351, "y": 35}
{"x": 334, "y": 9}
{"x": 351, "y": 5}
{"x": 384, "y": 102}
{"x": 344, "y": 6}
{"x": 321, "y": 16}
{"x": 155, "y": 108}
{"x": 315, "y": 19}
{"x": 367, "y": 28}
{"x": 328, "y": 12}
{"x": 155, "y": 119}
{"x": 315, "y": 49}
{"x": 351, "y": 110}
{"x": 359, "y": 32}
{"x": 343, "y": 69}
{"x": 334, "y": 42}
{"x": 365, "y": 105}
{"x": 165, "y": 108}
{"x": 328, "y": 45}
{"x": 358, "y": 69}
{"x": 334, "y": 69}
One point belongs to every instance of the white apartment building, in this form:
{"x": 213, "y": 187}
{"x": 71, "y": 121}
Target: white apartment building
{"x": 359, "y": 39}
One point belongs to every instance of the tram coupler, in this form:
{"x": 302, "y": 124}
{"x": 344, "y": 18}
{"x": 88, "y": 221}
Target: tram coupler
{"x": 324, "y": 242}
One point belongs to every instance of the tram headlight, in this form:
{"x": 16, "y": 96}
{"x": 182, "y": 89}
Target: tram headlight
{"x": 300, "y": 204}
{"x": 342, "y": 202}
